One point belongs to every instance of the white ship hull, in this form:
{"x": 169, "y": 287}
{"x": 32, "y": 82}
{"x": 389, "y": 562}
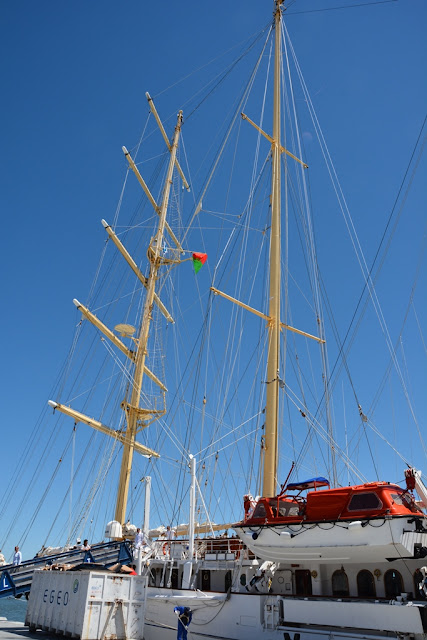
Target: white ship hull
{"x": 255, "y": 616}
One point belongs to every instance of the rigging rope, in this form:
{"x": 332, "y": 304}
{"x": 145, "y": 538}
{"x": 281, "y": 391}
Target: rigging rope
{"x": 369, "y": 283}
{"x": 71, "y": 479}
{"x": 346, "y": 6}
{"x": 227, "y": 135}
{"x": 313, "y": 270}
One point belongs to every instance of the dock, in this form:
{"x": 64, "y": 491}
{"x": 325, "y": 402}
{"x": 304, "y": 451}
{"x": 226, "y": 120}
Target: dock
{"x": 10, "y": 630}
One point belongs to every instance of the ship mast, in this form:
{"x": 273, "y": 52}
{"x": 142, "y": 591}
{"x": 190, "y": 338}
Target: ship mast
{"x": 272, "y": 405}
{"x": 275, "y": 326}
{"x": 134, "y": 413}
{"x": 137, "y": 417}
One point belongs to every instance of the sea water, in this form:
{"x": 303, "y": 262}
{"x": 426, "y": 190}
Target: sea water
{"x": 13, "y": 609}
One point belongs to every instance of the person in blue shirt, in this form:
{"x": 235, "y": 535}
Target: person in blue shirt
{"x": 184, "y": 618}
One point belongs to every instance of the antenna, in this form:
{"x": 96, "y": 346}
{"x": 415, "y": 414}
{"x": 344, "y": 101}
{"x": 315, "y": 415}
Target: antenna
{"x": 125, "y": 330}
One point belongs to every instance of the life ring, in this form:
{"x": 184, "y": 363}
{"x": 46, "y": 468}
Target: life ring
{"x": 165, "y": 548}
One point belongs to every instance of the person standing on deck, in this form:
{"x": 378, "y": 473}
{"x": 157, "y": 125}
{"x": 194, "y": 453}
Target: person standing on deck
{"x": 170, "y": 533}
{"x": 139, "y": 539}
{"x": 17, "y": 556}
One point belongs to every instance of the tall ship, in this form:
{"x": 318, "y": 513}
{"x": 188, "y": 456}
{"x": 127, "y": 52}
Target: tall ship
{"x": 213, "y": 369}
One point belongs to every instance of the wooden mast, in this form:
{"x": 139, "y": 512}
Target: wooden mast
{"x": 134, "y": 413}
{"x": 272, "y": 405}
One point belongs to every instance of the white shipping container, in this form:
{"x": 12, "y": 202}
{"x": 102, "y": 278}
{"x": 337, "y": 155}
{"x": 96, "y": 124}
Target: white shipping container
{"x": 90, "y": 605}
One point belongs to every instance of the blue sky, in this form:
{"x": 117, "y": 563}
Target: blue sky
{"x": 74, "y": 77}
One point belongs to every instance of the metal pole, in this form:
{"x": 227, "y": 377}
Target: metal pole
{"x": 139, "y": 561}
{"x": 146, "y": 526}
{"x": 192, "y": 507}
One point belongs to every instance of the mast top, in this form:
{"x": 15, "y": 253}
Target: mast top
{"x": 278, "y": 6}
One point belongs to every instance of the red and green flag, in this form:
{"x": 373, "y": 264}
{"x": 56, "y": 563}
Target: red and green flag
{"x": 199, "y": 260}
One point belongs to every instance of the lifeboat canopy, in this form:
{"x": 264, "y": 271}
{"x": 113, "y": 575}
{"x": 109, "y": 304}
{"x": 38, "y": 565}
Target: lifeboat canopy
{"x": 313, "y": 483}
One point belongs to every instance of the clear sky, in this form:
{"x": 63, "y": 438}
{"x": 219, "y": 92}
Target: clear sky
{"x": 74, "y": 77}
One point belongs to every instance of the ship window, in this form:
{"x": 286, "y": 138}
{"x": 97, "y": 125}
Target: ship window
{"x": 260, "y": 511}
{"x": 288, "y": 509}
{"x": 393, "y": 584}
{"x": 340, "y": 584}
{"x": 365, "y": 584}
{"x": 418, "y": 581}
{"x": 404, "y": 499}
{"x": 364, "y": 502}
{"x": 273, "y": 507}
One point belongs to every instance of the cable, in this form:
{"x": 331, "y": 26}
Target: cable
{"x": 349, "y": 6}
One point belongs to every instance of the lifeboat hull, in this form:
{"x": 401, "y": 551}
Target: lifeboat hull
{"x": 326, "y": 542}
